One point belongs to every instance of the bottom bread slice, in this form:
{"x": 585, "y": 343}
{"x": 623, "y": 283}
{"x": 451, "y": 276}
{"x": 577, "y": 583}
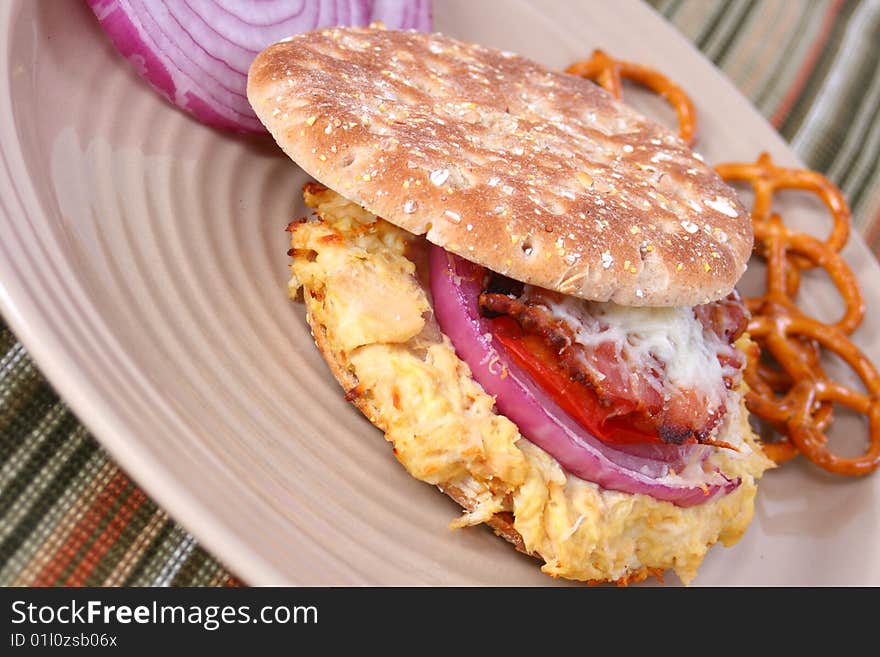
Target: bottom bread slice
{"x": 364, "y": 288}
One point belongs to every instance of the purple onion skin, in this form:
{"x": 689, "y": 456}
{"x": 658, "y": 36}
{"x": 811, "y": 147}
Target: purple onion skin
{"x": 196, "y": 53}
{"x": 455, "y": 287}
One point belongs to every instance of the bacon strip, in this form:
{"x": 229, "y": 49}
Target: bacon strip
{"x": 684, "y": 415}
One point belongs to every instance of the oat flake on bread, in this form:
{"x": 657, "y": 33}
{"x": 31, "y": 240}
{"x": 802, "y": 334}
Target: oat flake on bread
{"x": 533, "y": 173}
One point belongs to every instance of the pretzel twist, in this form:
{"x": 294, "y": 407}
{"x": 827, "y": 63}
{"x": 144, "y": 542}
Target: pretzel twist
{"x": 766, "y": 178}
{"x": 610, "y": 73}
{"x": 797, "y": 397}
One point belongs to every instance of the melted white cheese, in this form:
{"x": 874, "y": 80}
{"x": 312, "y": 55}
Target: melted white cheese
{"x": 670, "y": 341}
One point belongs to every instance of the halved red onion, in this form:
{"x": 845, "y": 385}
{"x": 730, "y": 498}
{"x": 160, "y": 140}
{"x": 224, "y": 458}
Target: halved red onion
{"x": 665, "y": 472}
{"x": 196, "y": 53}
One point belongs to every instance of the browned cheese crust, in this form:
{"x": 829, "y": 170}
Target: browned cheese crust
{"x": 501, "y": 523}
{"x": 534, "y": 173}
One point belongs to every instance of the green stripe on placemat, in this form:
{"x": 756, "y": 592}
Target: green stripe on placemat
{"x": 812, "y": 69}
{"x": 69, "y": 515}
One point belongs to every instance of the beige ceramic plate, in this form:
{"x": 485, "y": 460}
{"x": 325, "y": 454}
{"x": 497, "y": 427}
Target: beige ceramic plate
{"x": 143, "y": 264}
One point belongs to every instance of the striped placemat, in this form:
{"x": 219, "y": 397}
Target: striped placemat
{"x": 813, "y": 69}
{"x": 70, "y": 516}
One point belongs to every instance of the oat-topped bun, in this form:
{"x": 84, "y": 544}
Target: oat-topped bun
{"x": 533, "y": 173}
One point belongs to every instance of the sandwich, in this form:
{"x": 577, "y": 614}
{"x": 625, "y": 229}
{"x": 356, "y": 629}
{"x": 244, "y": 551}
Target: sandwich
{"x": 529, "y": 287}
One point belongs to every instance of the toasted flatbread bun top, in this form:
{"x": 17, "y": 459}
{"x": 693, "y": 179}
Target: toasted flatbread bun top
{"x": 533, "y": 173}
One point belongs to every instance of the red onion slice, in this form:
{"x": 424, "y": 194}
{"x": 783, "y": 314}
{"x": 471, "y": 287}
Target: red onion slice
{"x": 196, "y": 53}
{"x": 455, "y": 286}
